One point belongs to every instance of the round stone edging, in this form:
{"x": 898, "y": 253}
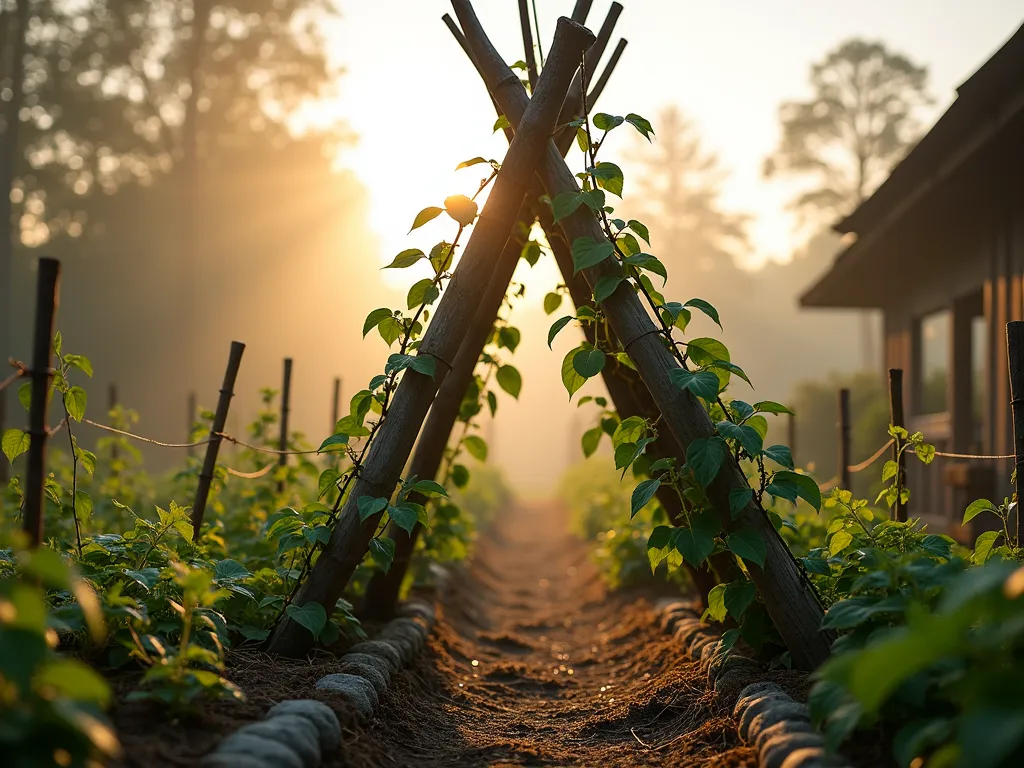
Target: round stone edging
{"x": 296, "y": 733}
{"x": 766, "y": 716}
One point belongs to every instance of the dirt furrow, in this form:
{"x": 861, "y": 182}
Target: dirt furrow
{"x": 535, "y": 663}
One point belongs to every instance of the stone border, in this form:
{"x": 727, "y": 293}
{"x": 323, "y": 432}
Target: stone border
{"x": 367, "y": 668}
{"x": 293, "y": 734}
{"x": 297, "y": 733}
{"x": 766, "y": 716}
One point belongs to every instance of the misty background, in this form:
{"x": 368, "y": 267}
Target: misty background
{"x": 209, "y": 171}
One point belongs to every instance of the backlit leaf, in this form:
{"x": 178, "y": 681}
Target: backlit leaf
{"x": 510, "y": 380}
{"x": 427, "y": 214}
{"x": 373, "y": 319}
{"x": 406, "y": 259}
{"x": 14, "y": 443}
{"x": 461, "y": 208}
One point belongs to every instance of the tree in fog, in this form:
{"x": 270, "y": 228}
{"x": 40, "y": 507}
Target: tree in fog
{"x": 677, "y": 191}
{"x": 860, "y": 121}
{"x": 125, "y": 91}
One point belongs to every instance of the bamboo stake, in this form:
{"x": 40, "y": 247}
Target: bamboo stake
{"x": 47, "y": 300}
{"x": 843, "y": 471}
{"x": 383, "y": 590}
{"x": 896, "y": 418}
{"x": 785, "y": 591}
{"x": 282, "y": 440}
{"x": 581, "y": 10}
{"x": 220, "y": 417}
{"x": 602, "y": 81}
{"x": 531, "y": 57}
{"x": 397, "y": 434}
{"x": 1015, "y": 353}
{"x": 629, "y": 396}
{"x": 336, "y": 404}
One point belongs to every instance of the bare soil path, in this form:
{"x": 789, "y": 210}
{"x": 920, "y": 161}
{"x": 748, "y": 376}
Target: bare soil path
{"x": 534, "y": 663}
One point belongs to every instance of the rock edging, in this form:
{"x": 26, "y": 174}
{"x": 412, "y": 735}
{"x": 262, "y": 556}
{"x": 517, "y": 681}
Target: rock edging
{"x": 767, "y": 717}
{"x": 368, "y": 667}
{"x": 297, "y": 733}
{"x": 293, "y": 734}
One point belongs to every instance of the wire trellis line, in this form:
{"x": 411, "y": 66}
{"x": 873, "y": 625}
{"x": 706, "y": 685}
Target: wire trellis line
{"x": 978, "y": 456}
{"x": 252, "y": 475}
{"x": 869, "y": 461}
{"x": 828, "y": 485}
{"x": 221, "y": 435}
{"x": 149, "y": 440}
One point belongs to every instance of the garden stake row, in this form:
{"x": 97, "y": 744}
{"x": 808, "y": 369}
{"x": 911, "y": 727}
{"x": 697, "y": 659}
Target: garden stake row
{"x": 844, "y": 438}
{"x": 788, "y": 597}
{"x": 47, "y": 299}
{"x": 1015, "y": 354}
{"x": 899, "y": 509}
{"x": 393, "y": 444}
{"x": 220, "y": 417}
{"x": 383, "y": 589}
{"x": 282, "y": 442}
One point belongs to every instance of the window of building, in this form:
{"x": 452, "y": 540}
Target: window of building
{"x": 934, "y": 367}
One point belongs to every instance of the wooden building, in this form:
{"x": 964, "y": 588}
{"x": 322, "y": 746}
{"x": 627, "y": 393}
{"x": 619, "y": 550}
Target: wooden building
{"x": 939, "y": 250}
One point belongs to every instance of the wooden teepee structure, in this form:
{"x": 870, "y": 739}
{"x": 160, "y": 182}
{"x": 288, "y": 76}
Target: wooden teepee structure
{"x": 464, "y": 318}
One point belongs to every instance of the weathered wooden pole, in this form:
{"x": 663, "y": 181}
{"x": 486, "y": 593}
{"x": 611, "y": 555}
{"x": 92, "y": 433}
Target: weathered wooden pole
{"x": 628, "y": 392}
{"x": 47, "y": 300}
{"x": 220, "y": 418}
{"x": 581, "y": 10}
{"x": 787, "y": 594}
{"x": 383, "y": 590}
{"x": 1015, "y": 353}
{"x": 897, "y": 419}
{"x": 336, "y": 403}
{"x": 602, "y": 81}
{"x": 531, "y": 56}
{"x": 395, "y": 438}
{"x": 843, "y": 427}
{"x": 190, "y": 421}
{"x": 282, "y": 440}
{"x": 631, "y": 397}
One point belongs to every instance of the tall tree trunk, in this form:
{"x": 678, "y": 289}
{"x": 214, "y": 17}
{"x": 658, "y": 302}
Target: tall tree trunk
{"x": 9, "y": 155}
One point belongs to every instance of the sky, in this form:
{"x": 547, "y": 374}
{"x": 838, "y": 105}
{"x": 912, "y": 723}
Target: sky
{"x": 419, "y": 109}
{"x": 727, "y": 64}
